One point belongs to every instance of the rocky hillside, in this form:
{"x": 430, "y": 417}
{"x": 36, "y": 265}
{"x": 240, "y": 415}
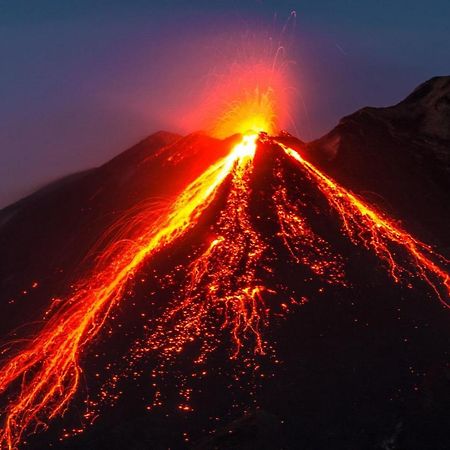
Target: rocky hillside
{"x": 398, "y": 157}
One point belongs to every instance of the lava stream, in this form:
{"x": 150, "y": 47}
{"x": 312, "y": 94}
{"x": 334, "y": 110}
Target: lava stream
{"x": 46, "y": 371}
{"x": 223, "y": 286}
{"x": 224, "y": 291}
{"x": 364, "y": 225}
{"x": 303, "y": 244}
{"x": 224, "y": 278}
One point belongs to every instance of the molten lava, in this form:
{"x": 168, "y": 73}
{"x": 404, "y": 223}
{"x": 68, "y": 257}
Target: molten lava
{"x": 225, "y": 290}
{"x": 404, "y": 255}
{"x": 50, "y": 362}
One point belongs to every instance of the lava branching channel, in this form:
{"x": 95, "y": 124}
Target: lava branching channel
{"x": 227, "y": 286}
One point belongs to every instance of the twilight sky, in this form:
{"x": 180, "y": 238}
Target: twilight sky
{"x": 80, "y": 81}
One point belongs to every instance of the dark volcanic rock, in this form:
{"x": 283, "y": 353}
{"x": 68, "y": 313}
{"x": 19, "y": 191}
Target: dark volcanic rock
{"x": 398, "y": 157}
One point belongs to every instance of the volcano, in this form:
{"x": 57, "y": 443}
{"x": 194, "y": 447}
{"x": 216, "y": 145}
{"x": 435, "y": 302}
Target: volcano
{"x": 249, "y": 292}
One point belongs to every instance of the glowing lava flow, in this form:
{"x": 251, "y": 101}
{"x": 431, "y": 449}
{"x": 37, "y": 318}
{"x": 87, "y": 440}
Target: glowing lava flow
{"x": 222, "y": 301}
{"x": 226, "y": 286}
{"x": 363, "y": 224}
{"x": 46, "y": 371}
{"x": 303, "y": 244}
{"x": 223, "y": 285}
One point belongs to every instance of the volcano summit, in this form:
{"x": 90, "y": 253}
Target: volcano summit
{"x": 264, "y": 305}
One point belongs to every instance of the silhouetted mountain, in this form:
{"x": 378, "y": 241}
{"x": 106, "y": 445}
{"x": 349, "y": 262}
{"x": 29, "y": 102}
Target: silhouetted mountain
{"x": 360, "y": 364}
{"x": 398, "y": 157}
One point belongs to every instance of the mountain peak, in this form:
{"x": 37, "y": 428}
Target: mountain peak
{"x": 428, "y": 107}
{"x": 395, "y": 154}
{"x": 435, "y": 88}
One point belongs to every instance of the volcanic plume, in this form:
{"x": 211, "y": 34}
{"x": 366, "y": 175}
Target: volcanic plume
{"x": 191, "y": 293}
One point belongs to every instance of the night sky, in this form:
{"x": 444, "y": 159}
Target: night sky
{"x": 83, "y": 80}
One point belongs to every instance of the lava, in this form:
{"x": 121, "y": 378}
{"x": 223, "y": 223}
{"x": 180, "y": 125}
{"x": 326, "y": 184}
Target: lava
{"x": 303, "y": 244}
{"x": 223, "y": 282}
{"x": 46, "y": 371}
{"x": 363, "y": 224}
{"x": 226, "y": 290}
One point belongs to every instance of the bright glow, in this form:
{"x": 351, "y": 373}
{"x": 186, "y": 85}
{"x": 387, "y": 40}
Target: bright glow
{"x": 254, "y": 95}
{"x": 255, "y": 111}
{"x": 245, "y": 149}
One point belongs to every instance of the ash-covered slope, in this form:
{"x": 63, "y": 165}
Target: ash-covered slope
{"x": 398, "y": 157}
{"x": 268, "y": 324}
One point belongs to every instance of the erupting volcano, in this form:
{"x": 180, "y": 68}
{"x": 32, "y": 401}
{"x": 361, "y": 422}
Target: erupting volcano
{"x": 196, "y": 286}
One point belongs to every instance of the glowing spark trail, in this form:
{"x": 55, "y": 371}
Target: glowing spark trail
{"x": 363, "y": 224}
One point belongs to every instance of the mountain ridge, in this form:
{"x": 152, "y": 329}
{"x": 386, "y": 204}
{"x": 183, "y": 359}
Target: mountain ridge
{"x": 390, "y": 155}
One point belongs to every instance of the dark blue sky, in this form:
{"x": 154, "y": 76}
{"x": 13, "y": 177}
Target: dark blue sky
{"x": 82, "y": 80}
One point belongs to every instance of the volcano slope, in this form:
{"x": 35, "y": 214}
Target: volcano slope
{"x": 288, "y": 315}
{"x": 398, "y": 157}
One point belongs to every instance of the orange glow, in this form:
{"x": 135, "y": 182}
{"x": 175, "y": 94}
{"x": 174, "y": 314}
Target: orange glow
{"x": 255, "y": 111}
{"x": 252, "y": 95}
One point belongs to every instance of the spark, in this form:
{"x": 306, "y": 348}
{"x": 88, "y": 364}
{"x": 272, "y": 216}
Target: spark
{"x": 252, "y": 89}
{"x": 255, "y": 111}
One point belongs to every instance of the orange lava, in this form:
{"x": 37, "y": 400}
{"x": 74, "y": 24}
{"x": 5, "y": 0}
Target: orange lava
{"x": 46, "y": 371}
{"x": 223, "y": 281}
{"x": 224, "y": 293}
{"x": 363, "y": 224}
{"x": 304, "y": 245}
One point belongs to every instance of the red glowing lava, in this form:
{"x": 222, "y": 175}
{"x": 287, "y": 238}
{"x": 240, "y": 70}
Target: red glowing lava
{"x": 365, "y": 225}
{"x": 224, "y": 290}
{"x": 50, "y": 361}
